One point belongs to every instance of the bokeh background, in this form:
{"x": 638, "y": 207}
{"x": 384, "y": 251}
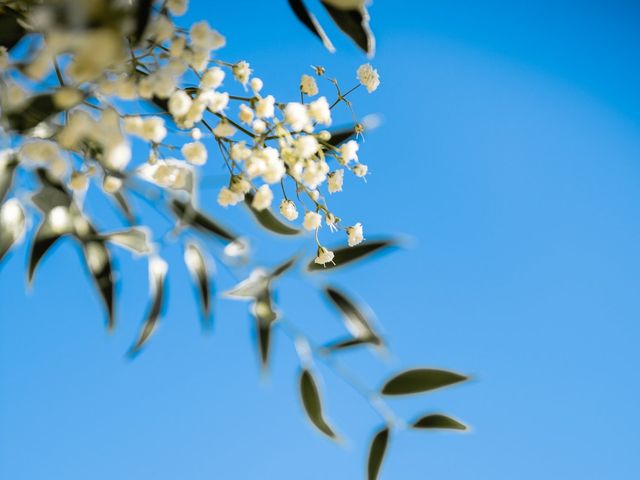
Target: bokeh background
{"x": 509, "y": 151}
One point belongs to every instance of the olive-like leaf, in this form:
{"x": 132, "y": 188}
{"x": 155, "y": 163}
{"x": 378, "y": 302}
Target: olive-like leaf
{"x": 51, "y": 193}
{"x": 268, "y": 220}
{"x": 309, "y": 20}
{"x": 157, "y": 280}
{"x": 265, "y": 316}
{"x": 313, "y": 404}
{"x": 12, "y": 225}
{"x": 338, "y": 137}
{"x": 437, "y": 420}
{"x": 346, "y": 255}
{"x": 343, "y": 344}
{"x": 420, "y": 380}
{"x": 142, "y": 16}
{"x": 124, "y": 206}
{"x": 356, "y": 320}
{"x": 250, "y": 288}
{"x": 8, "y": 164}
{"x": 35, "y": 110}
{"x": 198, "y": 220}
{"x": 197, "y": 266}
{"x": 44, "y": 238}
{"x": 11, "y": 31}
{"x": 377, "y": 450}
{"x": 354, "y": 22}
{"x": 136, "y": 239}
{"x": 98, "y": 261}
{"x": 283, "y": 267}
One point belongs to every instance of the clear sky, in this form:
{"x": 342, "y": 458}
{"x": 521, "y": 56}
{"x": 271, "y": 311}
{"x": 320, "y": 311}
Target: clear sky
{"x": 509, "y": 152}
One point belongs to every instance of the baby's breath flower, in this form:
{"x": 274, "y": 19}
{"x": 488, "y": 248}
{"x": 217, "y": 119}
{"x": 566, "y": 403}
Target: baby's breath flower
{"x": 241, "y": 72}
{"x": 360, "y": 170}
{"x": 59, "y": 220}
{"x": 111, "y": 184}
{"x": 265, "y": 107}
{"x": 228, "y": 197}
{"x": 177, "y": 7}
{"x": 263, "y": 198}
{"x": 259, "y": 126}
{"x": 153, "y": 129}
{"x": 239, "y": 185}
{"x": 218, "y": 101}
{"x": 256, "y": 85}
{"x": 335, "y": 181}
{"x": 212, "y": 78}
{"x": 312, "y": 221}
{"x": 348, "y": 152}
{"x": 194, "y": 153}
{"x": 204, "y": 37}
{"x": 355, "y": 235}
{"x": 288, "y": 210}
{"x": 368, "y": 77}
{"x": 246, "y": 114}
{"x": 179, "y": 103}
{"x": 78, "y": 181}
{"x": 323, "y": 256}
{"x": 320, "y": 111}
{"x": 296, "y": 115}
{"x": 196, "y": 134}
{"x": 308, "y": 85}
{"x": 240, "y": 152}
{"x": 306, "y": 146}
{"x": 224, "y": 129}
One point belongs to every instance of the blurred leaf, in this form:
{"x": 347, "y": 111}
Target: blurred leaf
{"x": 309, "y": 20}
{"x": 8, "y": 164}
{"x": 346, "y": 255}
{"x": 438, "y": 421}
{"x": 377, "y": 451}
{"x": 250, "y": 288}
{"x": 265, "y": 317}
{"x": 124, "y": 206}
{"x": 42, "y": 241}
{"x": 189, "y": 215}
{"x": 157, "y": 280}
{"x": 12, "y": 225}
{"x": 354, "y": 22}
{"x": 348, "y": 343}
{"x": 268, "y": 220}
{"x": 338, "y": 137}
{"x": 420, "y": 380}
{"x": 197, "y": 266}
{"x": 142, "y": 16}
{"x": 11, "y": 32}
{"x": 355, "y": 319}
{"x": 51, "y": 194}
{"x": 37, "y": 109}
{"x": 98, "y": 261}
{"x": 136, "y": 239}
{"x": 313, "y": 405}
{"x": 283, "y": 267}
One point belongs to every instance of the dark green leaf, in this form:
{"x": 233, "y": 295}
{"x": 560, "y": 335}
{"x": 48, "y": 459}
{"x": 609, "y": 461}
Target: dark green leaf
{"x": 11, "y": 32}
{"x": 36, "y": 110}
{"x": 283, "y": 267}
{"x": 420, "y": 380}
{"x": 12, "y": 224}
{"x": 268, "y": 220}
{"x": 8, "y": 164}
{"x": 43, "y": 240}
{"x": 197, "y": 266}
{"x": 437, "y": 420}
{"x": 51, "y": 194}
{"x": 124, "y": 206}
{"x": 142, "y": 16}
{"x": 356, "y": 321}
{"x": 343, "y": 344}
{"x": 355, "y": 23}
{"x": 346, "y": 255}
{"x": 309, "y": 20}
{"x": 265, "y": 316}
{"x": 136, "y": 239}
{"x": 98, "y": 261}
{"x": 189, "y": 215}
{"x": 376, "y": 453}
{"x": 157, "y": 280}
{"x": 313, "y": 405}
{"x": 338, "y": 137}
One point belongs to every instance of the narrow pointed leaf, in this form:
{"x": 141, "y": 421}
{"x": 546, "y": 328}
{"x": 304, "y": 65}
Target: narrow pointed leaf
{"x": 8, "y": 164}
{"x": 157, "y": 280}
{"x": 11, "y": 31}
{"x": 98, "y": 261}
{"x": 12, "y": 225}
{"x": 338, "y": 137}
{"x": 265, "y": 317}
{"x": 189, "y": 215}
{"x": 42, "y": 241}
{"x": 35, "y": 110}
{"x": 356, "y": 321}
{"x": 350, "y": 342}
{"x": 420, "y": 380}
{"x": 377, "y": 450}
{"x": 313, "y": 404}
{"x": 283, "y": 267}
{"x": 51, "y": 193}
{"x": 197, "y": 266}
{"x": 135, "y": 239}
{"x": 437, "y": 420}
{"x": 346, "y": 255}
{"x": 124, "y": 206}
{"x": 355, "y": 23}
{"x": 309, "y": 20}
{"x": 250, "y": 288}
{"x": 268, "y": 220}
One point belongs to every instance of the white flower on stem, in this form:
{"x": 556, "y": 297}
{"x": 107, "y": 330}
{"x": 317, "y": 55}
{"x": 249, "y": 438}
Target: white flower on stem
{"x": 332, "y": 222}
{"x": 315, "y": 173}
{"x": 312, "y": 221}
{"x": 133, "y": 125}
{"x": 288, "y": 210}
{"x": 265, "y": 107}
{"x": 263, "y": 198}
{"x": 308, "y": 85}
{"x": 296, "y": 115}
{"x": 241, "y": 72}
{"x": 368, "y": 77}
{"x": 203, "y": 36}
{"x": 59, "y": 220}
{"x": 153, "y": 129}
{"x": 335, "y": 180}
{"x": 240, "y": 185}
{"x": 256, "y": 85}
{"x": 306, "y": 146}
{"x": 228, "y": 197}
{"x": 240, "y": 152}
{"x": 111, "y": 184}
{"x": 320, "y": 111}
{"x": 196, "y": 134}
{"x": 246, "y": 114}
{"x": 323, "y": 256}
{"x": 218, "y": 101}
{"x": 4, "y": 58}
{"x": 360, "y": 170}
{"x": 224, "y": 129}
{"x": 259, "y": 126}
{"x": 177, "y": 7}
{"x": 195, "y": 153}
{"x": 349, "y": 151}
{"x": 179, "y": 104}
{"x": 212, "y": 78}
{"x": 177, "y": 47}
{"x": 354, "y": 234}
{"x": 162, "y": 28}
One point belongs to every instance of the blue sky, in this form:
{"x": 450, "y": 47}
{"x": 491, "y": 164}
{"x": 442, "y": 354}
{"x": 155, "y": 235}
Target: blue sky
{"x": 508, "y": 153}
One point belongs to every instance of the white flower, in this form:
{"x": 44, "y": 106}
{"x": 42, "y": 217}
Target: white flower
{"x": 228, "y": 197}
{"x": 218, "y": 101}
{"x": 315, "y": 173}
{"x": 212, "y": 78}
{"x": 368, "y": 77}
{"x": 355, "y": 235}
{"x": 332, "y": 221}
{"x": 134, "y": 125}
{"x": 288, "y": 210}
{"x": 246, "y": 114}
{"x": 171, "y": 173}
{"x": 202, "y": 36}
{"x": 320, "y": 111}
{"x": 306, "y": 146}
{"x": 196, "y": 134}
{"x": 241, "y": 72}
{"x": 177, "y": 7}
{"x": 162, "y": 28}
{"x": 348, "y": 152}
{"x": 117, "y": 155}
{"x": 111, "y": 184}
{"x": 194, "y": 153}
{"x": 4, "y": 58}
{"x": 163, "y": 84}
{"x": 153, "y": 129}
{"x": 296, "y": 115}
{"x": 323, "y": 256}
{"x": 224, "y": 129}
{"x": 262, "y": 198}
{"x": 335, "y": 181}
{"x": 259, "y": 126}
{"x": 265, "y": 107}
{"x": 360, "y": 170}
{"x": 312, "y": 221}
{"x": 308, "y": 85}
{"x": 179, "y": 103}
{"x": 12, "y": 219}
{"x": 67, "y": 97}
{"x": 240, "y": 152}
{"x": 256, "y": 85}
{"x": 78, "y": 181}
{"x": 40, "y": 151}
{"x": 239, "y": 185}
{"x": 59, "y": 220}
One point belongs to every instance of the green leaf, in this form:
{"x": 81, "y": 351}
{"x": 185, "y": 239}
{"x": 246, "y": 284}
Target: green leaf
{"x": 142, "y": 16}
{"x": 8, "y": 164}
{"x": 343, "y": 344}
{"x": 268, "y": 220}
{"x": 250, "y": 288}
{"x": 43, "y": 240}
{"x": 51, "y": 193}
{"x": 356, "y": 321}
{"x": 11, "y": 31}
{"x": 135, "y": 239}
{"x": 338, "y": 137}
{"x": 124, "y": 206}
{"x": 283, "y": 267}
{"x": 309, "y": 20}
{"x": 98, "y": 261}
{"x": 157, "y": 280}
{"x": 197, "y": 266}
{"x": 35, "y": 110}
{"x": 198, "y": 220}
{"x": 355, "y": 23}
{"x": 437, "y": 420}
{"x": 420, "y": 380}
{"x": 377, "y": 451}
{"x": 313, "y": 405}
{"x": 265, "y": 317}
{"x": 346, "y": 255}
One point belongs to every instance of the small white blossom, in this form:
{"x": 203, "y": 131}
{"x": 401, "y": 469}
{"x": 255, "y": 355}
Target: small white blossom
{"x": 228, "y": 197}
{"x": 308, "y": 85}
{"x": 259, "y": 126}
{"x": 224, "y": 129}
{"x": 368, "y": 77}
{"x": 153, "y": 129}
{"x": 240, "y": 185}
{"x": 262, "y": 198}
{"x": 320, "y": 111}
{"x": 288, "y": 210}
{"x": 177, "y": 7}
{"x": 349, "y": 151}
{"x": 203, "y": 36}
{"x": 335, "y": 181}
{"x": 323, "y": 256}
{"x": 360, "y": 170}
{"x": 246, "y": 114}
{"x": 355, "y": 235}
{"x": 111, "y": 184}
{"x": 256, "y": 85}
{"x": 196, "y": 134}
{"x": 179, "y": 103}
{"x": 296, "y": 115}
{"x": 59, "y": 220}
{"x": 312, "y": 221}
{"x": 240, "y": 152}
{"x": 241, "y": 72}
{"x": 306, "y": 146}
{"x": 218, "y": 101}
{"x": 265, "y": 107}
{"x": 212, "y": 78}
{"x": 195, "y": 153}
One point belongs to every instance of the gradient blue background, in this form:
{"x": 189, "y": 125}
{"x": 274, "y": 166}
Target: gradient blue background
{"x": 510, "y": 150}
